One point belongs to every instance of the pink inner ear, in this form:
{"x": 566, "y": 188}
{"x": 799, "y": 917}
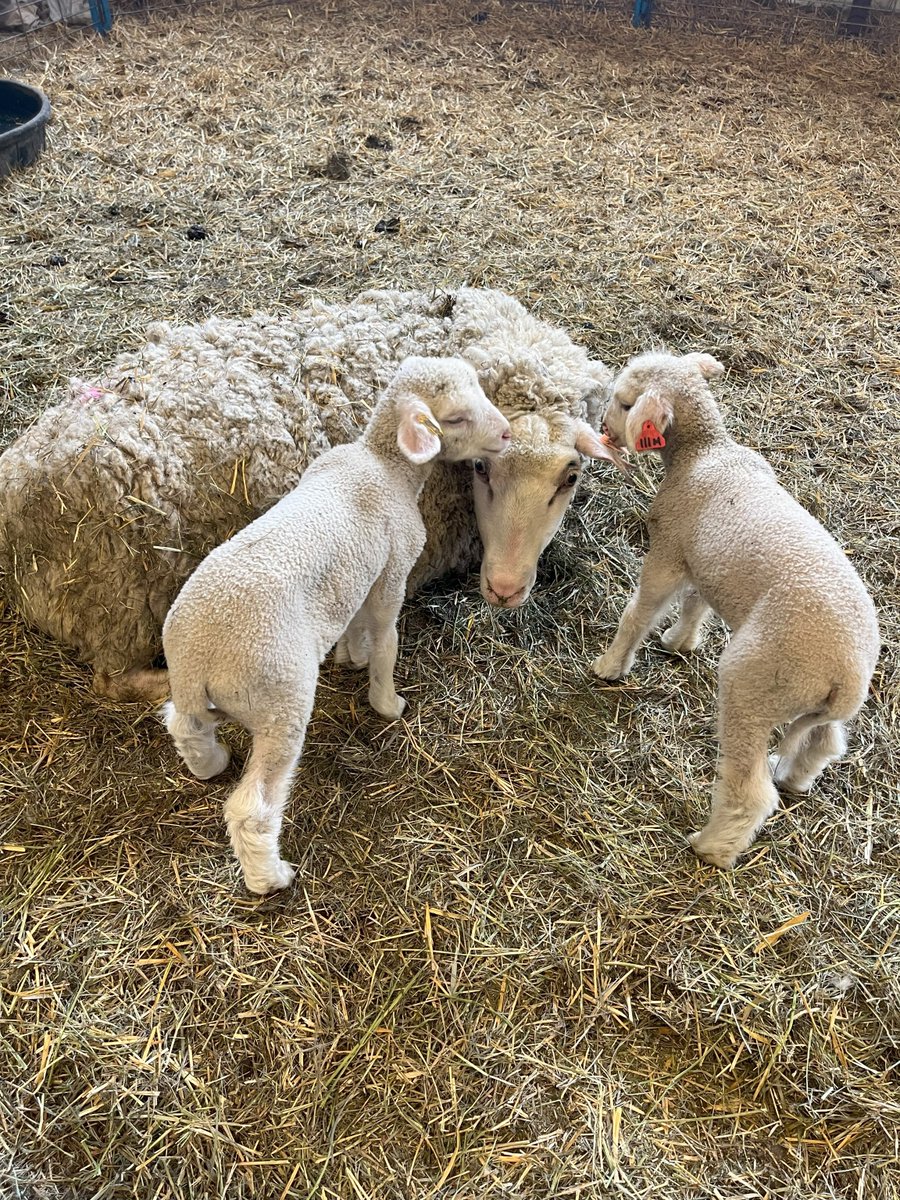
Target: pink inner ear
{"x": 590, "y": 443}
{"x": 416, "y": 440}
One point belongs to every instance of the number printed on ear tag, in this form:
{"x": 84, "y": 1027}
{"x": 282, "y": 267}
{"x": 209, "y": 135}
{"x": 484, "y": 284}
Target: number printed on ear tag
{"x": 650, "y": 438}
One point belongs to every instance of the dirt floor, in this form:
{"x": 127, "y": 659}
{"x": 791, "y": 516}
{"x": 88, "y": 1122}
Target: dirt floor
{"x": 501, "y": 972}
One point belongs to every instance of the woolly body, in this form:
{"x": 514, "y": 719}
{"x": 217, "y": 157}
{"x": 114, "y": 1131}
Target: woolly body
{"x": 287, "y": 570}
{"x": 113, "y": 496}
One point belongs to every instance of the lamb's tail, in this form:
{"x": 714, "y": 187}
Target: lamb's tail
{"x": 841, "y": 703}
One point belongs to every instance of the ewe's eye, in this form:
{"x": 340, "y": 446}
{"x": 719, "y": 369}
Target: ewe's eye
{"x": 566, "y": 484}
{"x": 480, "y": 468}
{"x": 625, "y": 407}
{"x": 454, "y": 421}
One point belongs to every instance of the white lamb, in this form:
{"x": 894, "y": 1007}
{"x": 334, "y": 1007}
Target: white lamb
{"x": 726, "y": 536}
{"x": 248, "y": 631}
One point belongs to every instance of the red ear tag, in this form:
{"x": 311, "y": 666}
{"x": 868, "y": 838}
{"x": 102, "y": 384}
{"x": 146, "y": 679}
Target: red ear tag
{"x": 650, "y": 439}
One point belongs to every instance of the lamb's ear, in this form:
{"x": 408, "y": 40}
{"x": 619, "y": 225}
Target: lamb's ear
{"x": 588, "y": 443}
{"x": 418, "y": 433}
{"x": 649, "y": 418}
{"x": 709, "y": 367}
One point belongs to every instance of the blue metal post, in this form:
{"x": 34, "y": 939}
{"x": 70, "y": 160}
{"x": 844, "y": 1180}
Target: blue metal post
{"x": 101, "y": 15}
{"x": 642, "y": 14}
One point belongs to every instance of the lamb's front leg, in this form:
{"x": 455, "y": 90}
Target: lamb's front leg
{"x": 382, "y": 610}
{"x": 659, "y": 582}
{"x": 687, "y": 632}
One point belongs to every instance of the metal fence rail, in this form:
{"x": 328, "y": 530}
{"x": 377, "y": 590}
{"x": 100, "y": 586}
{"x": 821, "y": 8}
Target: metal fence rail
{"x": 875, "y": 21}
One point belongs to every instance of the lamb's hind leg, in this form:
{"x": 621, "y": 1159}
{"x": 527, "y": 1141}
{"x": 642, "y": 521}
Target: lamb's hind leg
{"x": 195, "y": 740}
{"x": 805, "y": 751}
{"x": 255, "y": 809}
{"x": 744, "y": 796}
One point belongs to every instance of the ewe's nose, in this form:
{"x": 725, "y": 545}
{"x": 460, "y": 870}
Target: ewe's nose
{"x": 504, "y": 591}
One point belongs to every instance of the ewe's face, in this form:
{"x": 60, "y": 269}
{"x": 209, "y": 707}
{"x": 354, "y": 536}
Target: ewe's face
{"x": 520, "y": 500}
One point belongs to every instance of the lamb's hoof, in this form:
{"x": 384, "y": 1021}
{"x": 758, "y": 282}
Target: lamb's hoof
{"x": 711, "y": 851}
{"x": 392, "y": 711}
{"x": 678, "y": 645}
{"x": 216, "y": 762}
{"x": 781, "y": 773}
{"x": 343, "y": 657}
{"x": 277, "y": 877}
{"x": 608, "y": 668}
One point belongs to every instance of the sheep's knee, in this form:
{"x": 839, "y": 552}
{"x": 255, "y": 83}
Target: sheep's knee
{"x": 146, "y": 684}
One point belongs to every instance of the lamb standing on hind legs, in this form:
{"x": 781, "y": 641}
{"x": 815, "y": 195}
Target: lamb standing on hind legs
{"x": 728, "y": 538}
{"x": 248, "y": 631}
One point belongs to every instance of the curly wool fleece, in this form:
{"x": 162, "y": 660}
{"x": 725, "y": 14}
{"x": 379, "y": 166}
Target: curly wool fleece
{"x": 113, "y": 496}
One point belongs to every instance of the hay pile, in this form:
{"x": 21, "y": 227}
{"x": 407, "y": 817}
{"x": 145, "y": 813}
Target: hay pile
{"x": 501, "y": 972}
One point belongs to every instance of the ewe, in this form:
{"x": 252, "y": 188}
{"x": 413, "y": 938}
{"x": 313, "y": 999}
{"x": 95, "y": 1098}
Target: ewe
{"x": 112, "y": 497}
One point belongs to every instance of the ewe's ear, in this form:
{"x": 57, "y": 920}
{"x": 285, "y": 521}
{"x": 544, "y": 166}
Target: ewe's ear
{"x": 649, "y": 418}
{"x": 709, "y": 367}
{"x": 589, "y": 443}
{"x": 418, "y": 433}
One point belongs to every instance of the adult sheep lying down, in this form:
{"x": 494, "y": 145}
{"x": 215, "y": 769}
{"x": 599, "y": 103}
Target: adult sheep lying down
{"x": 112, "y": 497}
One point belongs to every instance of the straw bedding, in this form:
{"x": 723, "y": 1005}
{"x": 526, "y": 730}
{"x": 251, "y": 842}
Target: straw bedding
{"x": 500, "y": 972}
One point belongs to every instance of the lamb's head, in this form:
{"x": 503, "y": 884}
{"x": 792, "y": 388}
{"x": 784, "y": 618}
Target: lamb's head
{"x": 657, "y": 393}
{"x": 444, "y": 413}
{"x": 521, "y": 498}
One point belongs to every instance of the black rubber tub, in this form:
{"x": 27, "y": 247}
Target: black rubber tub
{"x": 23, "y": 121}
